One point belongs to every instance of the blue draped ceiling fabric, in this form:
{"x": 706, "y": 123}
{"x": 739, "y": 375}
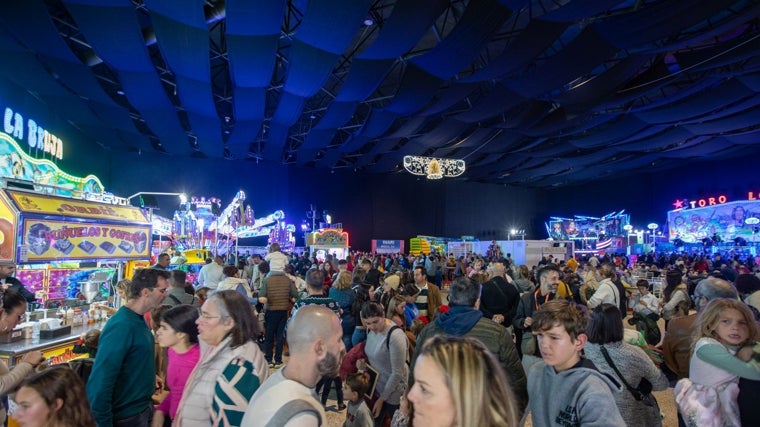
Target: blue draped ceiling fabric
{"x": 535, "y": 93}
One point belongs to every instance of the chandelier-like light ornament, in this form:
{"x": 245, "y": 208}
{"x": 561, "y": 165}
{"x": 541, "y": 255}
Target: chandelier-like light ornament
{"x": 434, "y": 168}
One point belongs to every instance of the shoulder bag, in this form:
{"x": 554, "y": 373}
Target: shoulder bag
{"x": 642, "y": 393}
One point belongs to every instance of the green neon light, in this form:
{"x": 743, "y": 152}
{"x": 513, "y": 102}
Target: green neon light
{"x": 58, "y": 176}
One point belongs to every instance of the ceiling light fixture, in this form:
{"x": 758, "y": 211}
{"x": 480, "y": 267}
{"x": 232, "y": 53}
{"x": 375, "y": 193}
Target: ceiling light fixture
{"x": 434, "y": 168}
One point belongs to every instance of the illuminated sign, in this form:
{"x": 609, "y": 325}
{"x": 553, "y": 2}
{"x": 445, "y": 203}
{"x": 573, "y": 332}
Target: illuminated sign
{"x": 53, "y": 240}
{"x": 700, "y": 203}
{"x": 15, "y": 163}
{"x": 36, "y": 136}
{"x": 40, "y": 204}
{"x": 330, "y": 237}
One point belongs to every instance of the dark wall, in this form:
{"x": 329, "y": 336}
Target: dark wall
{"x": 81, "y": 156}
{"x": 393, "y": 206}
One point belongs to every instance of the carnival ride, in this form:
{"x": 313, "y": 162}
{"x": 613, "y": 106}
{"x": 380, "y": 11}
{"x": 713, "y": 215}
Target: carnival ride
{"x": 589, "y": 233}
{"x": 201, "y": 223}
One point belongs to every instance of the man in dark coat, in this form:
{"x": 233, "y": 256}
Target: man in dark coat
{"x": 464, "y": 319}
{"x": 7, "y": 281}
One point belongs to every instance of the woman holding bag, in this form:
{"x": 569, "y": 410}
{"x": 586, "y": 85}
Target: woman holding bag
{"x": 387, "y": 349}
{"x": 614, "y": 357}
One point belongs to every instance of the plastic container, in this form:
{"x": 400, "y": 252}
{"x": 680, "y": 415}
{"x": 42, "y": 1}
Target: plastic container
{"x": 76, "y": 318}
{"x": 70, "y": 316}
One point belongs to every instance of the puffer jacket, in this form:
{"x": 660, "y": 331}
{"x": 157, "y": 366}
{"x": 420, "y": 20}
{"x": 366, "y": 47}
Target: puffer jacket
{"x": 194, "y": 408}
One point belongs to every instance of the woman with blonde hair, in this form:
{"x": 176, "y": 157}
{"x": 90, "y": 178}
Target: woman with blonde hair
{"x": 342, "y": 294}
{"x": 458, "y": 382}
{"x": 590, "y": 282}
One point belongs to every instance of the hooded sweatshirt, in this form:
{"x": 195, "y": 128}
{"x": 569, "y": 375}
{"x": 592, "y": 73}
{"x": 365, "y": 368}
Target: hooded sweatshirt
{"x": 579, "y": 396}
{"x": 458, "y": 320}
{"x": 467, "y": 321}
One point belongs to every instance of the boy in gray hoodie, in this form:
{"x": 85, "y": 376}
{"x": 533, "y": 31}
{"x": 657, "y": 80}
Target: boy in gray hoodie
{"x": 565, "y": 389}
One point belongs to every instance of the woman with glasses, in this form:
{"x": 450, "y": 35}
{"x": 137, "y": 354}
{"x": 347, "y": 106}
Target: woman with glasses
{"x": 12, "y": 308}
{"x": 231, "y": 366}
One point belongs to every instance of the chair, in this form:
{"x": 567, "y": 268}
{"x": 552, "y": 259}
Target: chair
{"x": 656, "y": 284}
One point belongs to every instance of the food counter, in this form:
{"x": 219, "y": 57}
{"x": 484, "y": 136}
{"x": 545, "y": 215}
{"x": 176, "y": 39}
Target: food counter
{"x": 57, "y": 350}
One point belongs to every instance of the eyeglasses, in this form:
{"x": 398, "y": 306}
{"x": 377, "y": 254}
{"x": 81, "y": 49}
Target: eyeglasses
{"x": 206, "y": 316}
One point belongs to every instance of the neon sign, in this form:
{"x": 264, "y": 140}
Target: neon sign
{"x": 37, "y": 137}
{"x": 701, "y": 203}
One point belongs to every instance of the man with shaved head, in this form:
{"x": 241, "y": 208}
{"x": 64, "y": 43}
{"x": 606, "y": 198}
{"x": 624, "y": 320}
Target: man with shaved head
{"x": 315, "y": 342}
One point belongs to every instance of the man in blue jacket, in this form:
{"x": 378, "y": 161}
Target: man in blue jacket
{"x": 464, "y": 319}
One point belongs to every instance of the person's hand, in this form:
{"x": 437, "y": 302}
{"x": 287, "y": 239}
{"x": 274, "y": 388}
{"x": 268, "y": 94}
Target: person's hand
{"x": 378, "y": 407}
{"x": 361, "y": 365}
{"x": 528, "y": 321}
{"x": 158, "y": 419}
{"x": 745, "y": 353}
{"x": 642, "y": 302}
{"x": 33, "y": 358}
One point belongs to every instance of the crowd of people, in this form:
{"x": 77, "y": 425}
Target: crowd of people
{"x": 404, "y": 344}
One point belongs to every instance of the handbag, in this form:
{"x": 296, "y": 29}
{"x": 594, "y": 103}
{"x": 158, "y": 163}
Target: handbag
{"x": 642, "y": 393}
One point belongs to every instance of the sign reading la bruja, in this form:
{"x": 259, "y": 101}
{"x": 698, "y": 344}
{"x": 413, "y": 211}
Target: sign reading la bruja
{"x": 36, "y": 137}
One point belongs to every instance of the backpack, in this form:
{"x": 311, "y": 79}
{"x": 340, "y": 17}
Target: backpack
{"x": 409, "y": 342}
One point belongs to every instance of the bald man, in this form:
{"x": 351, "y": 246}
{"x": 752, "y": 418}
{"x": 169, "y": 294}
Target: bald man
{"x": 287, "y": 397}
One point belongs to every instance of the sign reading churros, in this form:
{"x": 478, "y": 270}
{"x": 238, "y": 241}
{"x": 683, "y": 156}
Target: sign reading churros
{"x": 49, "y": 240}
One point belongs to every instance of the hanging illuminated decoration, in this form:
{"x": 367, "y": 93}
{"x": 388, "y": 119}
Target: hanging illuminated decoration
{"x": 434, "y": 168}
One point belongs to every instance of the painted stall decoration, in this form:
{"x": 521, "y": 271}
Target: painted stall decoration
{"x": 7, "y": 231}
{"x": 52, "y": 240}
{"x": 55, "y": 229}
{"x": 589, "y": 233}
{"x": 719, "y": 222}
{"x": 15, "y": 163}
{"x": 332, "y": 241}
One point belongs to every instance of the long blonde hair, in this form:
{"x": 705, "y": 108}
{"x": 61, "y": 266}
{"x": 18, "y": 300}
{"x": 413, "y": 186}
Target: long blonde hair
{"x": 477, "y": 382}
{"x": 709, "y": 316}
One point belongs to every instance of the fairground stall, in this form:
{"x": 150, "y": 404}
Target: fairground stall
{"x": 70, "y": 240}
{"x": 332, "y": 241}
{"x": 528, "y": 252}
{"x": 716, "y": 224}
{"x": 69, "y": 252}
{"x": 589, "y": 234}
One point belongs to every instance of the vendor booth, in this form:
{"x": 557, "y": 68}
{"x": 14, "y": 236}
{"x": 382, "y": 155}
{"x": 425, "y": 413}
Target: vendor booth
{"x": 332, "y": 241}
{"x": 69, "y": 253}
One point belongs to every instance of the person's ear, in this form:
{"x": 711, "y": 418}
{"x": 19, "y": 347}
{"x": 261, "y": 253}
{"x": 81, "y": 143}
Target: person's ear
{"x": 58, "y": 404}
{"x": 581, "y": 341}
{"x": 228, "y": 324}
{"x": 319, "y": 347}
